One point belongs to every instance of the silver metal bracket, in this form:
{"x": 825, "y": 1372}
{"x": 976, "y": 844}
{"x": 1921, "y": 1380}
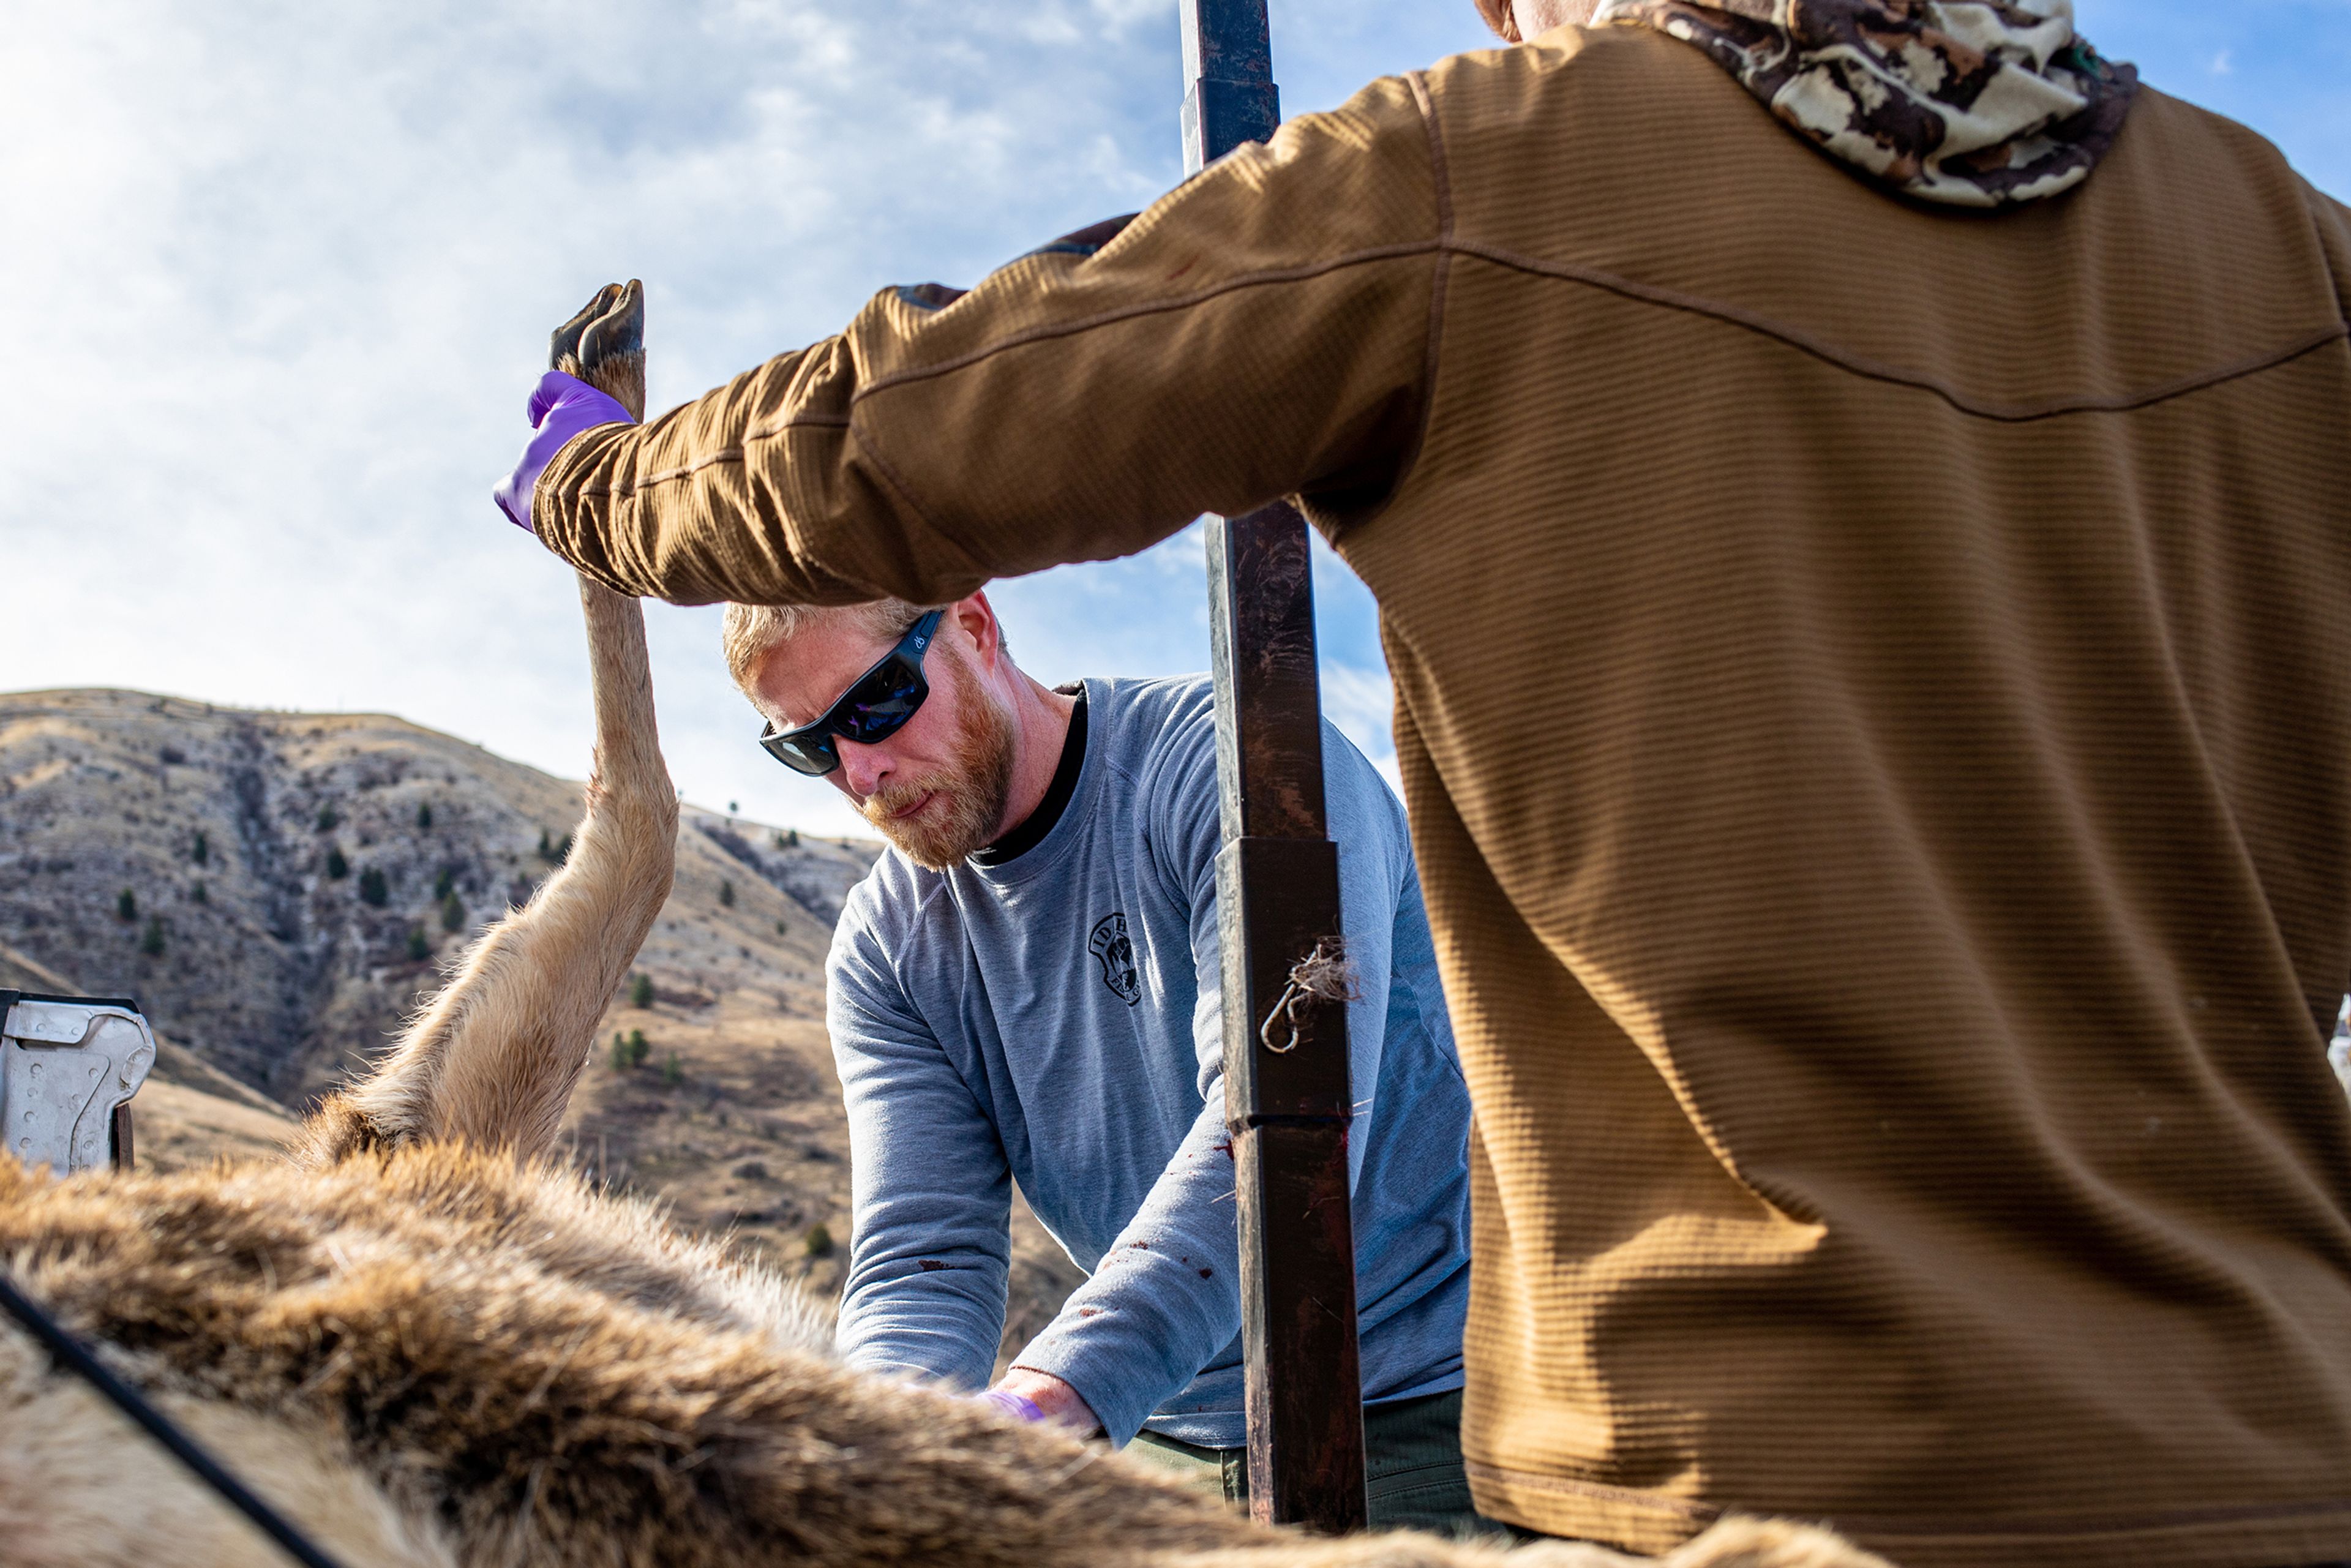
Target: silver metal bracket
{"x": 68, "y": 1067}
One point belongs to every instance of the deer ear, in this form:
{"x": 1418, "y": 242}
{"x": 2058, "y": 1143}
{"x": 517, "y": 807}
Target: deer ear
{"x": 564, "y": 343}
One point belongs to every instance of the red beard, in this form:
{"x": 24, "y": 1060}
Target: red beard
{"x": 937, "y": 819}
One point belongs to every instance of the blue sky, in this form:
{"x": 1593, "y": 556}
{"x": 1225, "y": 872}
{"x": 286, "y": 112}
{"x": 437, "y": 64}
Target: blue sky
{"x": 280, "y": 275}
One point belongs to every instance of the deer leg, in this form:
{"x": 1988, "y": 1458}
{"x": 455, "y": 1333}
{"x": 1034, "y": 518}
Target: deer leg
{"x": 493, "y": 1058}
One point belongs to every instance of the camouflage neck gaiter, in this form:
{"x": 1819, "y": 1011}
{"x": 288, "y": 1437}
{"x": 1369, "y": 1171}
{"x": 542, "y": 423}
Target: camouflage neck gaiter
{"x": 1973, "y": 103}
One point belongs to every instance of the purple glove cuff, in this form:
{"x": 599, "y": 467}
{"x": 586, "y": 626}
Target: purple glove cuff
{"x": 561, "y": 408}
{"x": 1013, "y": 1404}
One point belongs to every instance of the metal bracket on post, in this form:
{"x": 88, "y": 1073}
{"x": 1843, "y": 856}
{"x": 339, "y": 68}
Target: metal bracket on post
{"x": 68, "y": 1067}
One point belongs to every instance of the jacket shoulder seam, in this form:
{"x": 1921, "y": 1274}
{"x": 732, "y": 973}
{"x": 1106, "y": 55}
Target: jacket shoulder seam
{"x": 1873, "y": 369}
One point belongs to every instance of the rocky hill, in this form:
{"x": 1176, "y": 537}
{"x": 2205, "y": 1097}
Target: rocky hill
{"x": 280, "y": 889}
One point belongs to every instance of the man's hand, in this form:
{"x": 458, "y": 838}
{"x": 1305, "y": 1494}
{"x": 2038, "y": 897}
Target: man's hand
{"x": 561, "y": 408}
{"x": 1052, "y": 1399}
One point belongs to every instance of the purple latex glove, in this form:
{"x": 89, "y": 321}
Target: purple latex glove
{"x": 561, "y": 408}
{"x": 1013, "y": 1404}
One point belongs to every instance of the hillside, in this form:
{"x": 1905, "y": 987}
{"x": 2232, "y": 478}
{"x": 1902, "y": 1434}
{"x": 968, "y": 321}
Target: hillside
{"x": 278, "y": 889}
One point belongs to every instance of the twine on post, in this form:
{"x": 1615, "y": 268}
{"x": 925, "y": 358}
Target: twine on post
{"x": 1325, "y": 975}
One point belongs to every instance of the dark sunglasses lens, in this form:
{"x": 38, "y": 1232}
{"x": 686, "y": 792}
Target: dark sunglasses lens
{"x": 878, "y": 705}
{"x": 812, "y": 755}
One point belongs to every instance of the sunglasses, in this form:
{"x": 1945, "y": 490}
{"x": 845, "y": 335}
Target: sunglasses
{"x": 876, "y": 706}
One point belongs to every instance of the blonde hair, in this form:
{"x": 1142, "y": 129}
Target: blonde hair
{"x": 750, "y": 632}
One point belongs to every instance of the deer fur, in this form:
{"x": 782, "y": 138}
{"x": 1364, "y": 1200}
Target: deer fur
{"x": 492, "y": 1060}
{"x": 431, "y": 1349}
{"x": 437, "y": 1355}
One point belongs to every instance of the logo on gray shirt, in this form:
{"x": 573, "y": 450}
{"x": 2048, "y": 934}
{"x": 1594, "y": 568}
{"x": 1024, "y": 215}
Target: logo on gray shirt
{"x": 1110, "y": 944}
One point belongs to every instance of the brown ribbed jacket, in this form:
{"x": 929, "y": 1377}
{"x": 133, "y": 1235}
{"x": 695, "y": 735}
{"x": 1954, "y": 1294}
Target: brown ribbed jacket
{"x": 1874, "y": 694}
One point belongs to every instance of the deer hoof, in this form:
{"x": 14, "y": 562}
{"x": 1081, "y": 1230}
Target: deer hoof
{"x": 565, "y": 342}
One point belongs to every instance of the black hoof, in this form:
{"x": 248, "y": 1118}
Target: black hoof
{"x": 620, "y": 331}
{"x": 566, "y": 339}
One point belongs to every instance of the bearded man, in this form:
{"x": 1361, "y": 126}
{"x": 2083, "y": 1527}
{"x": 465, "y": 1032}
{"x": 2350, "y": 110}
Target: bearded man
{"x": 1026, "y": 989}
{"x": 1859, "y": 498}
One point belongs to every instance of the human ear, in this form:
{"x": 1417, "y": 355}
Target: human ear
{"x": 977, "y": 618}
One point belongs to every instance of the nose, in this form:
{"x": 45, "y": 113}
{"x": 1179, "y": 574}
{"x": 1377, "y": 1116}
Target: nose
{"x": 862, "y": 766}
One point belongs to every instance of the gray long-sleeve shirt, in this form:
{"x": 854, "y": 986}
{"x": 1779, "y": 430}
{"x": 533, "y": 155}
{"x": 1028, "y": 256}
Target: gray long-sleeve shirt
{"x": 1055, "y": 1019}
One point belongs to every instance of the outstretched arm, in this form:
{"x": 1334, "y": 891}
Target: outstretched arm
{"x": 494, "y": 1058}
{"x": 1261, "y": 331}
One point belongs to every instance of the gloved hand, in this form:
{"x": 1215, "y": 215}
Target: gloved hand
{"x": 1040, "y": 1396}
{"x": 1012, "y": 1405}
{"x": 561, "y": 408}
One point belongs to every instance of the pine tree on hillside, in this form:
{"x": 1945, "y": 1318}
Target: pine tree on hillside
{"x": 201, "y": 849}
{"x": 373, "y": 889}
{"x": 641, "y": 991}
{"x": 424, "y": 815}
{"x": 419, "y": 947}
{"x": 126, "y": 906}
{"x": 152, "y": 944}
{"x": 727, "y": 893}
{"x": 453, "y": 913}
{"x": 337, "y": 867}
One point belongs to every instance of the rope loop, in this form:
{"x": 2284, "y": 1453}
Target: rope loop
{"x": 1325, "y": 975}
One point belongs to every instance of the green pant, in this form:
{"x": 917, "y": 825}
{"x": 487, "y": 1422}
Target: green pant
{"x": 1413, "y": 1475}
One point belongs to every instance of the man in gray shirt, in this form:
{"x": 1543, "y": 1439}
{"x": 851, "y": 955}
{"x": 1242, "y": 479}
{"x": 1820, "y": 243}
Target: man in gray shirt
{"x": 1026, "y": 989}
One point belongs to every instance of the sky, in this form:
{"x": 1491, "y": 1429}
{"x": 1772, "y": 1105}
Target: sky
{"x": 278, "y": 279}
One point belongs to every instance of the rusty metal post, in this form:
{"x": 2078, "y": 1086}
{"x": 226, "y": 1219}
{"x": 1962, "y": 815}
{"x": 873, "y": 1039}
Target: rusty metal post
{"x": 1288, "y": 1099}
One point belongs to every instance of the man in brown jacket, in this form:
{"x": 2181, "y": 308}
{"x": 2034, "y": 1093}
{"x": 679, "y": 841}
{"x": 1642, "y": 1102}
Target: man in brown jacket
{"x": 1859, "y": 498}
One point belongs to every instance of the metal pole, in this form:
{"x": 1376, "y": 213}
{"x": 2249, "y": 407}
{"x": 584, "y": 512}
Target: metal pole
{"x": 1278, "y": 899}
